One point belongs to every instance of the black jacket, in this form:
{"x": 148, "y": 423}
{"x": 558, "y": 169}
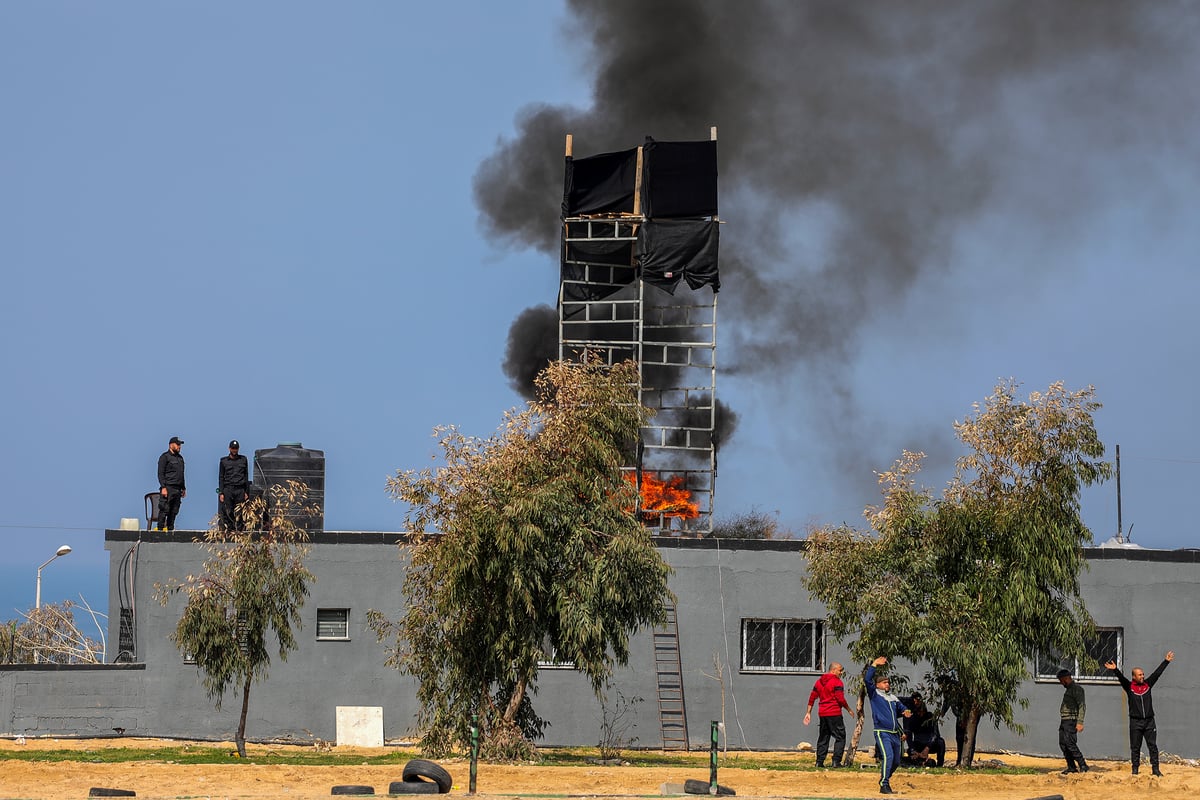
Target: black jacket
{"x": 234, "y": 473}
{"x": 1141, "y": 704}
{"x": 170, "y": 471}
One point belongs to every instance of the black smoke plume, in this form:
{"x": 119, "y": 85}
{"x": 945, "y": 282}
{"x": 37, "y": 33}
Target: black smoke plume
{"x": 856, "y": 140}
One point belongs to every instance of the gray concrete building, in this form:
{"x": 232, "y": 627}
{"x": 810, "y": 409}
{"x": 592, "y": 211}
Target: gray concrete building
{"x": 750, "y": 642}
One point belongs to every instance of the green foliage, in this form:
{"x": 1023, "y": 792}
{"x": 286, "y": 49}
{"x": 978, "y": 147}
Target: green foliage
{"x": 976, "y": 582}
{"x": 213, "y": 754}
{"x": 538, "y": 556}
{"x": 250, "y": 592}
{"x": 397, "y": 757}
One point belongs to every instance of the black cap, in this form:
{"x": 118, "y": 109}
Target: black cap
{"x": 175, "y": 440}
{"x": 234, "y": 445}
{"x": 1063, "y": 673}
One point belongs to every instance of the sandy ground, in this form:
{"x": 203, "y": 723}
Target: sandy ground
{"x": 63, "y": 780}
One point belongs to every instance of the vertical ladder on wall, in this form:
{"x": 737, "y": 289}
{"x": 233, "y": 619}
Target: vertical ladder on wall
{"x": 668, "y": 667}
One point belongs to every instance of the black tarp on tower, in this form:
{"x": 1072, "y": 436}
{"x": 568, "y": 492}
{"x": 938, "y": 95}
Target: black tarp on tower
{"x": 675, "y": 205}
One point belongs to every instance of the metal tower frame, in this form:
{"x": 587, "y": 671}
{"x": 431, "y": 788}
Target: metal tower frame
{"x": 606, "y": 310}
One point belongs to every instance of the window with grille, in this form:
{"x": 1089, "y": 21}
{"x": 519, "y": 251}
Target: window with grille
{"x": 333, "y": 624}
{"x": 783, "y": 645}
{"x": 1107, "y": 645}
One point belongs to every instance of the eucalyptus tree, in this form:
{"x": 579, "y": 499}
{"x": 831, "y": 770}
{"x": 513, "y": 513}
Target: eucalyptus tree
{"x": 534, "y": 554}
{"x": 979, "y": 580}
{"x": 246, "y": 598}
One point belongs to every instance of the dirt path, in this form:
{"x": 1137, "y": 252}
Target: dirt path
{"x": 72, "y": 780}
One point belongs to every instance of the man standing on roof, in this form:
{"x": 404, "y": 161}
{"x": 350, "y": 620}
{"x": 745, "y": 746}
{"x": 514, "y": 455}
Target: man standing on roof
{"x": 233, "y": 483}
{"x": 1141, "y": 711}
{"x": 886, "y": 711}
{"x": 171, "y": 486}
{"x": 1070, "y": 723}
{"x": 831, "y": 695}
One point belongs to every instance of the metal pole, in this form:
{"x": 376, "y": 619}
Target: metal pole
{"x": 1120, "y": 527}
{"x": 712, "y": 757}
{"x": 37, "y": 598}
{"x": 62, "y": 551}
{"x": 474, "y": 752}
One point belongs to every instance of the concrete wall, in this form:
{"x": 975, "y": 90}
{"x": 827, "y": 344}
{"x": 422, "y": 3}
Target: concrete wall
{"x": 1153, "y": 595}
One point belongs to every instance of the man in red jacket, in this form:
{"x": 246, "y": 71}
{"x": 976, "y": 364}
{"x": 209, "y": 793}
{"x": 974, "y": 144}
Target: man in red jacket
{"x": 832, "y": 696}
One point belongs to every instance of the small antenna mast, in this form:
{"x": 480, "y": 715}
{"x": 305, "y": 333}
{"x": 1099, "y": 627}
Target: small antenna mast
{"x": 1120, "y": 527}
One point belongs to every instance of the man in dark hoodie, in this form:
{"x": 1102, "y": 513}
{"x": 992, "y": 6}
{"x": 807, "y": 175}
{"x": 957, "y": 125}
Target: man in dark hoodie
{"x": 1141, "y": 711}
{"x": 831, "y": 695}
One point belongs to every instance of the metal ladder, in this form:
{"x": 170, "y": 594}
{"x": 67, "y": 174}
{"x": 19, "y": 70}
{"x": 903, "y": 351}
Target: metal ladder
{"x": 668, "y": 668}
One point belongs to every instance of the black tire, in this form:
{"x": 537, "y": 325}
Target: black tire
{"x": 693, "y": 786}
{"x": 100, "y": 791}
{"x": 414, "y": 787}
{"x": 420, "y": 768}
{"x": 352, "y": 788}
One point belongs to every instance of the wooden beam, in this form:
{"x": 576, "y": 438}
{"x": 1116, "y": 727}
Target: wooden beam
{"x": 570, "y": 140}
{"x": 637, "y": 185}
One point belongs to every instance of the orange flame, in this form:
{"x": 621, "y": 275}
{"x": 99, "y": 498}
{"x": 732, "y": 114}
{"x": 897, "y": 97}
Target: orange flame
{"x": 662, "y": 499}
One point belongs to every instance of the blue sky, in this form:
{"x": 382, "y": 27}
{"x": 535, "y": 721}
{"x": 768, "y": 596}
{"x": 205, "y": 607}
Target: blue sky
{"x": 257, "y": 222}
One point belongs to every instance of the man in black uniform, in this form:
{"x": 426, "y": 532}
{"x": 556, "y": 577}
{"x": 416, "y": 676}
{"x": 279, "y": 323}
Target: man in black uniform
{"x": 1141, "y": 712}
{"x": 171, "y": 485}
{"x": 233, "y": 483}
{"x": 1070, "y": 723}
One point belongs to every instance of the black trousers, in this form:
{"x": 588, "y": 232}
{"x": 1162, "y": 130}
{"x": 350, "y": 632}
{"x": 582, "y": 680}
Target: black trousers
{"x": 168, "y": 508}
{"x": 835, "y": 728}
{"x": 231, "y": 520}
{"x": 1143, "y": 729}
{"x": 937, "y": 749}
{"x": 1069, "y": 742}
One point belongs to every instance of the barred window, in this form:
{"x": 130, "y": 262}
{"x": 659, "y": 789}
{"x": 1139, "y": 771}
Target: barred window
{"x": 783, "y": 645}
{"x": 1107, "y": 645}
{"x": 333, "y": 624}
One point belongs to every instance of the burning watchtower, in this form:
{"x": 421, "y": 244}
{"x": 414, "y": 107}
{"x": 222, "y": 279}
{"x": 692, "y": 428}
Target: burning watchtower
{"x": 637, "y": 223}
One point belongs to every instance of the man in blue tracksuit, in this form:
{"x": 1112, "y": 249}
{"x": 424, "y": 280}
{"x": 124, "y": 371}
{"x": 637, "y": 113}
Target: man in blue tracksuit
{"x": 886, "y": 710}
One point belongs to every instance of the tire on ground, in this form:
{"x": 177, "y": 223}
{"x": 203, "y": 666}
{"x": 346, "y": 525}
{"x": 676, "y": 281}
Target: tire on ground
{"x": 693, "y": 786}
{"x": 413, "y": 787}
{"x": 352, "y": 788}
{"x": 420, "y": 768}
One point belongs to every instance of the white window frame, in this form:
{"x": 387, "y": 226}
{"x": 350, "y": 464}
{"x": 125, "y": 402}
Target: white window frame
{"x": 345, "y": 621}
{"x": 552, "y": 661}
{"x": 777, "y": 665}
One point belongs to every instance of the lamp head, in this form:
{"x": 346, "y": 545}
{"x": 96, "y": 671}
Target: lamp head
{"x": 62, "y": 551}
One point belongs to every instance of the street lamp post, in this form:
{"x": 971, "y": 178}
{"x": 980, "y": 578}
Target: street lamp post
{"x": 62, "y": 551}
{"x": 37, "y": 602}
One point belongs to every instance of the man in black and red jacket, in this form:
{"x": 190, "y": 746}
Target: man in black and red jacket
{"x": 832, "y": 696}
{"x": 1141, "y": 711}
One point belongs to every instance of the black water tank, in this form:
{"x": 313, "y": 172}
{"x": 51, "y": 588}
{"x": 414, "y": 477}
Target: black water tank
{"x": 291, "y": 461}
